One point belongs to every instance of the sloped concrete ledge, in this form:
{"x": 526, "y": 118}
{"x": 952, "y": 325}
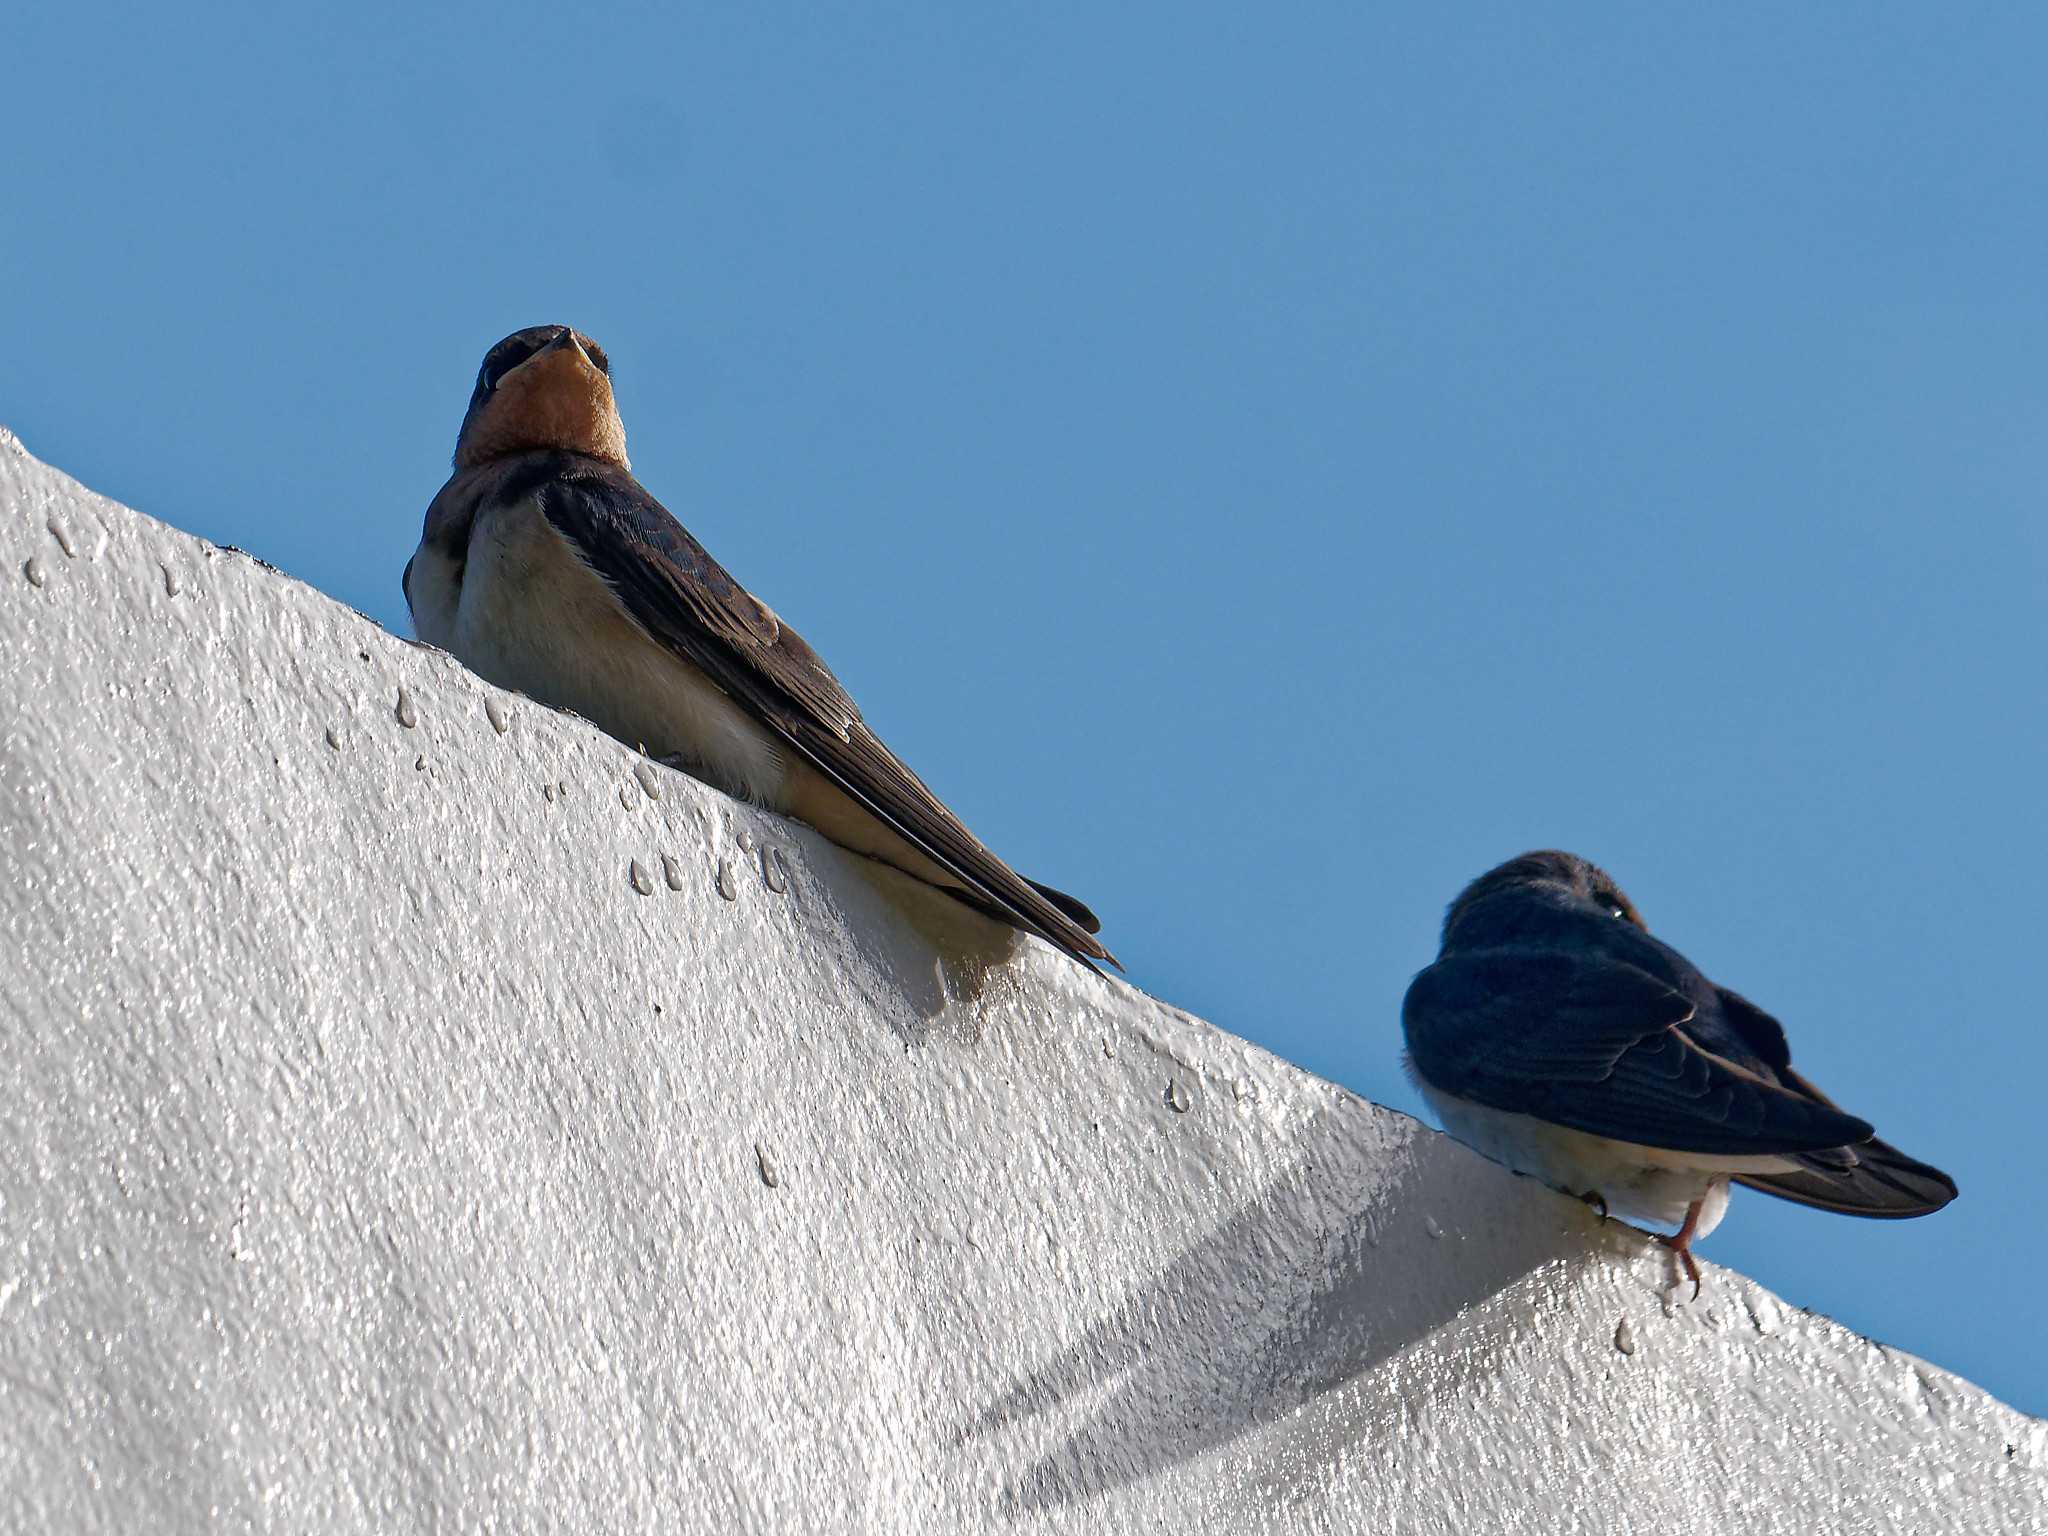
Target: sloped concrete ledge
{"x": 424, "y": 1114}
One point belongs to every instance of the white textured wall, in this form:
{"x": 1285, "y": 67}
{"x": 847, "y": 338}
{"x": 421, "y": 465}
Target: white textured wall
{"x": 421, "y": 1112}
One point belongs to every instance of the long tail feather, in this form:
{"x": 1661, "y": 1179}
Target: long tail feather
{"x": 1077, "y": 910}
{"x": 1871, "y": 1178}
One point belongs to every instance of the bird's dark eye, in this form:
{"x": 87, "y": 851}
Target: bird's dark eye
{"x": 501, "y": 362}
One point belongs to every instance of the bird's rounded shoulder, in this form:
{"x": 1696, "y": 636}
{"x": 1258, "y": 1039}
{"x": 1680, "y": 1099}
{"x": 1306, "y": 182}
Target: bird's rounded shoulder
{"x": 594, "y": 501}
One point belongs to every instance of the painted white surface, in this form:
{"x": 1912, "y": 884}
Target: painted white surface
{"x": 390, "y": 1082}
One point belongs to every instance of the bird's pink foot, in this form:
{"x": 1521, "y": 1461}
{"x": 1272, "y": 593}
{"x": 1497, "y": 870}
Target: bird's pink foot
{"x": 1680, "y": 1243}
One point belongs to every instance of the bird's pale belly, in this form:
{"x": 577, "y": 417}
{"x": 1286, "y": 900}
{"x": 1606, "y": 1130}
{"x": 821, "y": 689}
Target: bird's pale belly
{"x": 1651, "y": 1185}
{"x": 530, "y": 616}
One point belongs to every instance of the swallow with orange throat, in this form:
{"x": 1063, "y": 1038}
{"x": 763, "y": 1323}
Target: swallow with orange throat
{"x": 546, "y": 568}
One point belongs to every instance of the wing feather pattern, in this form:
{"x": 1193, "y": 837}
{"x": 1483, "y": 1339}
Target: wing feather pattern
{"x": 689, "y": 603}
{"x": 1598, "y": 1045}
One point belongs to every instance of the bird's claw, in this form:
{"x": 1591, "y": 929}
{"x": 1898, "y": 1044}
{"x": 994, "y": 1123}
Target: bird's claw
{"x": 1692, "y": 1265}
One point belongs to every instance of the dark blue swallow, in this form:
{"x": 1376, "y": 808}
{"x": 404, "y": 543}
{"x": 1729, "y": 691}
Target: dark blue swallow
{"x": 1556, "y": 1036}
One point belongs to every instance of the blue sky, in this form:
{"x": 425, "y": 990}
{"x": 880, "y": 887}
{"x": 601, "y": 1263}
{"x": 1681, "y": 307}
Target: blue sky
{"x": 1262, "y": 469}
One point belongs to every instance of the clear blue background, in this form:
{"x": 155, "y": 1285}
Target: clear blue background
{"x": 1262, "y": 465}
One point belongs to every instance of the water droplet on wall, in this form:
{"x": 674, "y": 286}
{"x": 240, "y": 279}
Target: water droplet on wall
{"x": 1176, "y": 1096}
{"x": 1430, "y": 1226}
{"x": 63, "y": 537}
{"x": 32, "y": 568}
{"x": 407, "y": 715}
{"x": 728, "y": 887}
{"x": 638, "y": 876}
{"x": 649, "y": 784}
{"x": 334, "y": 738}
{"x": 774, "y": 872}
{"x": 495, "y": 713}
{"x": 1625, "y": 1337}
{"x": 769, "y": 1175}
{"x": 671, "y": 872}
{"x": 170, "y": 580}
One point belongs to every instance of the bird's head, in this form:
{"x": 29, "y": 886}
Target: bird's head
{"x": 544, "y": 387}
{"x": 1532, "y": 889}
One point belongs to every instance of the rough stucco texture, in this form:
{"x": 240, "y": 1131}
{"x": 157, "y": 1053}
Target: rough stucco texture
{"x": 421, "y": 1112}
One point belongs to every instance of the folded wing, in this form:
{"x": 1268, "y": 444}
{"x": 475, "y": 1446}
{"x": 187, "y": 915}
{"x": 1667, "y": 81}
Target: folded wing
{"x": 686, "y": 601}
{"x": 1600, "y": 1046}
